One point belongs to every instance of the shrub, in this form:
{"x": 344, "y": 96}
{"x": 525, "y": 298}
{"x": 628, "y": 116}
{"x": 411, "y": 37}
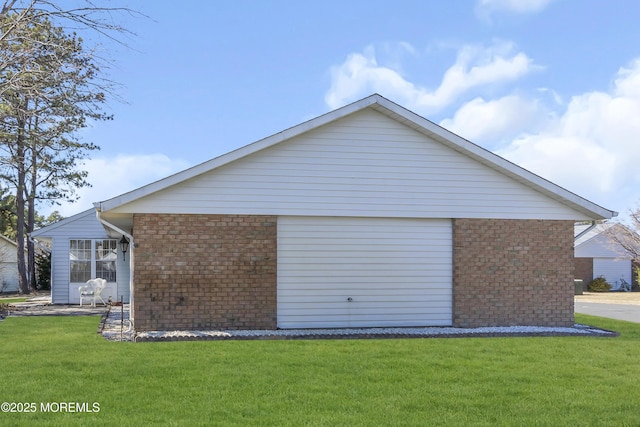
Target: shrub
{"x": 599, "y": 284}
{"x": 43, "y": 272}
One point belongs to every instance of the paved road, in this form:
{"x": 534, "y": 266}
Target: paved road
{"x": 630, "y": 313}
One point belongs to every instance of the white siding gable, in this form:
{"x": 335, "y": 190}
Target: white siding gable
{"x": 8, "y": 265}
{"x": 598, "y": 241}
{"x": 365, "y": 164}
{"x": 82, "y": 225}
{"x": 600, "y": 246}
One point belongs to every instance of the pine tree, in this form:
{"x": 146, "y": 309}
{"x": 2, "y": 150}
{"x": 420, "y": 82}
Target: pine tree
{"x": 54, "y": 90}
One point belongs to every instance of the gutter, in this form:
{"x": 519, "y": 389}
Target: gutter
{"x": 131, "y": 263}
{"x": 588, "y": 229}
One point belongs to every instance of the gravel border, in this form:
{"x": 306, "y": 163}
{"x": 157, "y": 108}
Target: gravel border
{"x": 115, "y": 327}
{"x": 369, "y": 333}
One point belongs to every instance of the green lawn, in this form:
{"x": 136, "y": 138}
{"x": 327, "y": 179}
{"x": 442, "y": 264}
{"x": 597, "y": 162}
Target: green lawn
{"x": 543, "y": 381}
{"x": 11, "y": 300}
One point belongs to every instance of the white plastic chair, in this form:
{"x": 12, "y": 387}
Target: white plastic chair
{"x": 92, "y": 291}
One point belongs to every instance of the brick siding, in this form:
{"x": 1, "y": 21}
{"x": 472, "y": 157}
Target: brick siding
{"x": 584, "y": 270}
{"x": 512, "y": 272}
{"x": 205, "y": 272}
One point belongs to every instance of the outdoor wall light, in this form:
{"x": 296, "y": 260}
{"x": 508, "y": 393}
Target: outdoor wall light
{"x": 124, "y": 246}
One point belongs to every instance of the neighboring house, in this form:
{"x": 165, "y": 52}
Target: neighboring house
{"x": 367, "y": 216}
{"x": 597, "y": 254}
{"x": 82, "y": 250}
{"x": 8, "y": 265}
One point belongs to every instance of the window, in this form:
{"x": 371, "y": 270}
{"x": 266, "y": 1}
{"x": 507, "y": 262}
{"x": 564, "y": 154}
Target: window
{"x": 92, "y": 258}
{"x": 106, "y": 256}
{"x": 80, "y": 257}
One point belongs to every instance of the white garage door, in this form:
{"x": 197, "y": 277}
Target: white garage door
{"x": 612, "y": 269}
{"x": 363, "y": 272}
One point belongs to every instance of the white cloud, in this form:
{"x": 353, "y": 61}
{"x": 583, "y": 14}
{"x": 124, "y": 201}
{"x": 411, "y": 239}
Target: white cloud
{"x": 485, "y": 8}
{"x": 360, "y": 75}
{"x": 592, "y": 148}
{"x": 475, "y": 66}
{"x": 555, "y": 96}
{"x": 110, "y": 177}
{"x": 493, "y": 122}
{"x": 587, "y": 144}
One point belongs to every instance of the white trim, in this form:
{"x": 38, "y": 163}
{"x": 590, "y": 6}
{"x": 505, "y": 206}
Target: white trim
{"x": 129, "y": 236}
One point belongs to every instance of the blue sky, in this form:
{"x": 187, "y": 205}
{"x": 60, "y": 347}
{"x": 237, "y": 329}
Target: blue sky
{"x": 553, "y": 86}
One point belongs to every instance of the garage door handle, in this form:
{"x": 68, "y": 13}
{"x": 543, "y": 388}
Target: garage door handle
{"x": 349, "y": 299}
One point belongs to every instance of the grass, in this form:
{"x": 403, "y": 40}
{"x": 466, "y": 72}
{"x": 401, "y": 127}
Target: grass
{"x": 545, "y": 381}
{"x": 12, "y": 300}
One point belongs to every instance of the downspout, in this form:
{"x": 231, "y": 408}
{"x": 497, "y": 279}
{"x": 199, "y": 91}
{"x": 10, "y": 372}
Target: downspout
{"x": 131, "y": 263}
{"x": 591, "y": 227}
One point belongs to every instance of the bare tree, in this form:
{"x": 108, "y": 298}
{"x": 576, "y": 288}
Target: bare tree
{"x": 88, "y": 16}
{"x": 625, "y": 240}
{"x": 627, "y": 235}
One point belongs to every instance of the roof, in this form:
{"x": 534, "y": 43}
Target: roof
{"x": 12, "y": 243}
{"x": 398, "y": 113}
{"x": 8, "y": 240}
{"x": 584, "y": 233}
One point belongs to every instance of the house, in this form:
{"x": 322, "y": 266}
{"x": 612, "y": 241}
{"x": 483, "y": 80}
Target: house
{"x": 82, "y": 250}
{"x": 598, "y": 254}
{"x": 367, "y": 216}
{"x": 8, "y": 265}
